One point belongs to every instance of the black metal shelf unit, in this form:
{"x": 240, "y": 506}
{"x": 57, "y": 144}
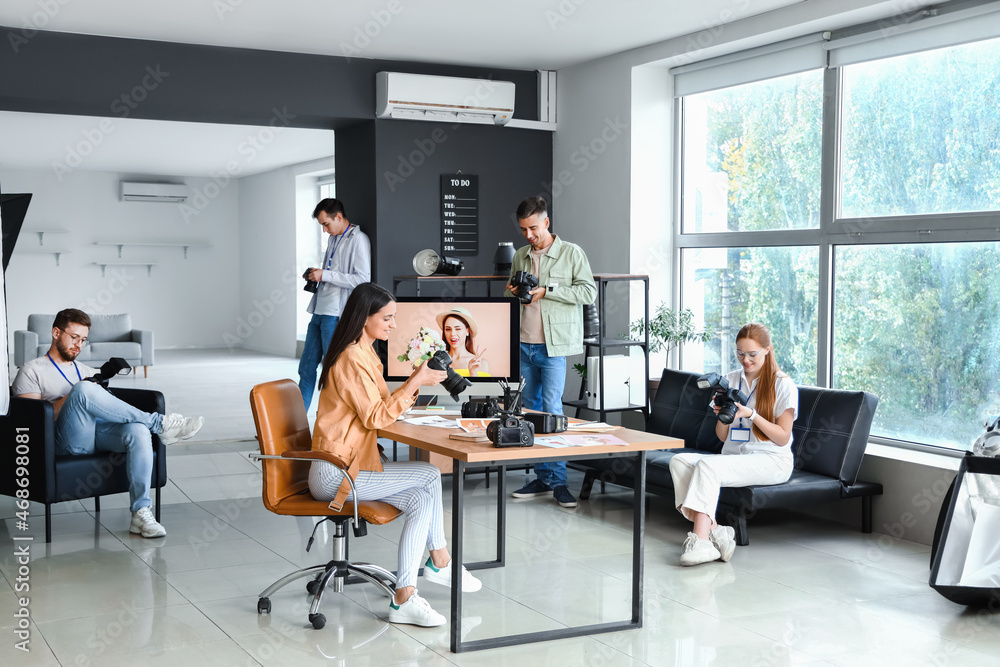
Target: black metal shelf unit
{"x": 601, "y": 343}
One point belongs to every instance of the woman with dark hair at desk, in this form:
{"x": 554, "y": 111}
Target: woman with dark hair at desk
{"x": 757, "y": 449}
{"x": 354, "y": 403}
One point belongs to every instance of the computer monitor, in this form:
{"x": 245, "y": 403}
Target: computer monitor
{"x": 467, "y": 326}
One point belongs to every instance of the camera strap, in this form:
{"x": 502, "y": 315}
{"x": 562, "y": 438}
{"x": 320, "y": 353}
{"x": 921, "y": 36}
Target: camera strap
{"x": 749, "y": 396}
{"x": 336, "y": 244}
{"x": 60, "y": 370}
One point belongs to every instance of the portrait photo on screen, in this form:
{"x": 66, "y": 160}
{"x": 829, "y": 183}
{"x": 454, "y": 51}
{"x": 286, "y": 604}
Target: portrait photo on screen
{"x": 476, "y": 333}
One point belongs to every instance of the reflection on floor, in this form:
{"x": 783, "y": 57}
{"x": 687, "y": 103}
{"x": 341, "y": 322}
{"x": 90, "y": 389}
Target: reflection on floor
{"x": 805, "y": 592}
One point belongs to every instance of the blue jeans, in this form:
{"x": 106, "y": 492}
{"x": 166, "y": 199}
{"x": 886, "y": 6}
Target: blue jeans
{"x": 544, "y": 380}
{"x": 92, "y": 420}
{"x": 318, "y": 336}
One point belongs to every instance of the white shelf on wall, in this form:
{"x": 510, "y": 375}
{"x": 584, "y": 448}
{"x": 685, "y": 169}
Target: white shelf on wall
{"x": 57, "y": 253}
{"x": 149, "y": 266}
{"x": 42, "y": 232}
{"x": 122, "y": 244}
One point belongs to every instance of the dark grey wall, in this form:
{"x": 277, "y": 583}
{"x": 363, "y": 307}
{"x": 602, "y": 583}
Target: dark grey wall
{"x": 106, "y": 76}
{"x": 410, "y": 158}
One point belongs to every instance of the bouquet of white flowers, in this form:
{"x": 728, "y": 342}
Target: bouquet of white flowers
{"x": 422, "y": 347}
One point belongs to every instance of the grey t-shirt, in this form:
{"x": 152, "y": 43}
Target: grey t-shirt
{"x": 39, "y": 376}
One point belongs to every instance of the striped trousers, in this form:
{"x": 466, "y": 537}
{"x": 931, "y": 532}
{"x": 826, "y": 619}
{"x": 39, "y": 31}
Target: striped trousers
{"x": 413, "y": 487}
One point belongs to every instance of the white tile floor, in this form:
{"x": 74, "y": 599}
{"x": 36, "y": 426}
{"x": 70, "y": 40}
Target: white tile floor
{"x": 805, "y": 592}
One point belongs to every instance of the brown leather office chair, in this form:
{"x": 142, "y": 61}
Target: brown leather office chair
{"x": 285, "y": 453}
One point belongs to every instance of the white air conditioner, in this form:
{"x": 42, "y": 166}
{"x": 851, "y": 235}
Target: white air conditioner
{"x": 168, "y": 192}
{"x": 443, "y": 98}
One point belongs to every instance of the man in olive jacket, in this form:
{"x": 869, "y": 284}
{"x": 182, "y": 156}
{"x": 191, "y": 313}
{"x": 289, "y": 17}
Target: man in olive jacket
{"x": 551, "y": 327}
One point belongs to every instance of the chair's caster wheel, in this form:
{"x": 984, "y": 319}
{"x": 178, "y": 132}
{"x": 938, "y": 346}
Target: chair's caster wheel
{"x": 318, "y": 620}
{"x": 264, "y": 606}
{"x": 313, "y": 586}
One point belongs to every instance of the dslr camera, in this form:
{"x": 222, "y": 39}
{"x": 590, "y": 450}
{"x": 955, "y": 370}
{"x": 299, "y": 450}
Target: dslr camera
{"x": 112, "y": 367}
{"x": 311, "y": 285}
{"x": 481, "y": 409}
{"x": 454, "y": 384}
{"x": 523, "y": 282}
{"x": 725, "y": 397}
{"x": 510, "y": 431}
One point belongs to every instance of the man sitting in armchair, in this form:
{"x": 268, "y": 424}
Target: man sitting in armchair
{"x": 89, "y": 418}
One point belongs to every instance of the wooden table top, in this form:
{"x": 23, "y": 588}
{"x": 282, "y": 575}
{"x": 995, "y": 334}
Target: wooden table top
{"x": 436, "y": 440}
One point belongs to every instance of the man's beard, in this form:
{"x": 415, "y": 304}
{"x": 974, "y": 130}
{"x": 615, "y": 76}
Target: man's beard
{"x": 65, "y": 352}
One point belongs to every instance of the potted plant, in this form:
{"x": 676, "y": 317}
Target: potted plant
{"x": 667, "y": 330}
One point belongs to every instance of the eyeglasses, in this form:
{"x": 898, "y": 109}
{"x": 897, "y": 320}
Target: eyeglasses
{"x": 75, "y": 338}
{"x": 752, "y": 355}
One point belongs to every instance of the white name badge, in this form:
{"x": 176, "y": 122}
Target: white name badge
{"x": 739, "y": 434}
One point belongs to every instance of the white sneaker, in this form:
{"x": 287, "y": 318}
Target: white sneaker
{"x": 443, "y": 576}
{"x": 143, "y": 523}
{"x": 415, "y": 611}
{"x": 698, "y": 551}
{"x": 724, "y": 539}
{"x": 176, "y": 427}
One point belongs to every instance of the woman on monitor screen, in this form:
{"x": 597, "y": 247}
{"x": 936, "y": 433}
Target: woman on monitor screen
{"x": 458, "y": 331}
{"x": 354, "y": 402}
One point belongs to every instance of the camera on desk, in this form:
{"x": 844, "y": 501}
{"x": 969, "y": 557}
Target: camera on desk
{"x": 510, "y": 431}
{"x": 481, "y": 409}
{"x": 546, "y": 422}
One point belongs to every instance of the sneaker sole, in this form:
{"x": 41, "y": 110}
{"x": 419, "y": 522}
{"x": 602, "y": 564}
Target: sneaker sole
{"x": 413, "y": 621}
{"x": 568, "y": 505}
{"x": 539, "y": 494}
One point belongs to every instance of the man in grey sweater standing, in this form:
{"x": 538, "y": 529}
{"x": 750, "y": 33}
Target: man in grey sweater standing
{"x": 346, "y": 264}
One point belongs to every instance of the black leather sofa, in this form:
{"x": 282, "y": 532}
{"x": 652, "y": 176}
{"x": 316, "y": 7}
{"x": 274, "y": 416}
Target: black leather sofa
{"x": 830, "y": 436}
{"x": 55, "y": 479}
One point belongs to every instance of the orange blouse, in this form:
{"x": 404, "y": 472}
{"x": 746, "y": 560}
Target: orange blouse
{"x": 354, "y": 404}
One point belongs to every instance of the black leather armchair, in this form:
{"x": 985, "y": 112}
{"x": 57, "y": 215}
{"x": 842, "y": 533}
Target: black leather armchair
{"x": 830, "y": 437}
{"x": 53, "y": 478}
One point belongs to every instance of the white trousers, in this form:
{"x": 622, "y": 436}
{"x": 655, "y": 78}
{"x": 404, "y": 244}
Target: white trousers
{"x": 698, "y": 478}
{"x": 413, "y": 487}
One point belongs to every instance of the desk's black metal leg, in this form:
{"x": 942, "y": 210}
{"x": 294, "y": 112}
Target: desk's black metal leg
{"x": 457, "y": 509}
{"x": 502, "y": 516}
{"x": 638, "y": 536}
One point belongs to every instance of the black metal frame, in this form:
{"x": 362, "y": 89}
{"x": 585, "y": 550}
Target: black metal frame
{"x": 602, "y": 344}
{"x": 457, "y": 533}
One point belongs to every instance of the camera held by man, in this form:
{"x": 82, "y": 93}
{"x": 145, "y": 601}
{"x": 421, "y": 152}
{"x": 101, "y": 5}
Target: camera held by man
{"x": 521, "y": 283}
{"x": 112, "y": 367}
{"x": 725, "y": 397}
{"x": 311, "y": 285}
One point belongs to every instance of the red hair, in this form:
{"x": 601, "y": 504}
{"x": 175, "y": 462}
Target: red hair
{"x": 769, "y": 373}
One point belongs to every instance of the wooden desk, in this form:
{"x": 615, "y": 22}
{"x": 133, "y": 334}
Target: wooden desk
{"x": 476, "y": 454}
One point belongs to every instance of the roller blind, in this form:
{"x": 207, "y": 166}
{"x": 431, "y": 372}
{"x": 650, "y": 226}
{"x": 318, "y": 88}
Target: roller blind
{"x": 923, "y": 30}
{"x": 765, "y": 62}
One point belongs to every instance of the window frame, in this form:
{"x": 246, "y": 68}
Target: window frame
{"x": 833, "y": 231}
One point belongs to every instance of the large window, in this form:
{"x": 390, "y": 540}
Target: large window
{"x": 922, "y": 133}
{"x": 854, "y": 210}
{"x": 919, "y": 327}
{"x": 751, "y": 156}
{"x": 728, "y": 287}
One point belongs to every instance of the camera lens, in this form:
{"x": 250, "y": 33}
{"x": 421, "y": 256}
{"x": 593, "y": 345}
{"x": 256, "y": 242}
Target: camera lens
{"x": 727, "y": 413}
{"x": 454, "y": 383}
